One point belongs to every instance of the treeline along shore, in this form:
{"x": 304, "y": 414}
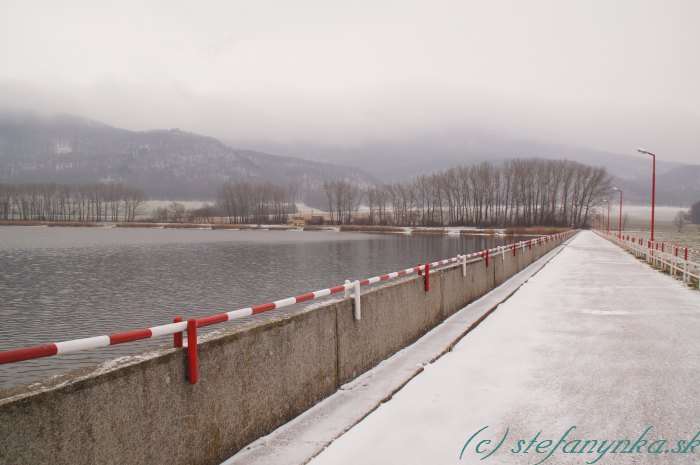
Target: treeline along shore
{"x": 516, "y": 193}
{"x": 69, "y": 202}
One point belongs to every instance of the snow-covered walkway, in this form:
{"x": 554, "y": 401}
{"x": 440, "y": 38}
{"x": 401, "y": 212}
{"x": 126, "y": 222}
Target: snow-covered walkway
{"x": 596, "y": 340}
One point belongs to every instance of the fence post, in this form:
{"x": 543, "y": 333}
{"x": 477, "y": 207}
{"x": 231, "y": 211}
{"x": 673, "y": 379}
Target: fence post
{"x": 674, "y": 267}
{"x": 177, "y": 337}
{"x": 357, "y": 308}
{"x": 426, "y": 279}
{"x": 464, "y": 265}
{"x": 648, "y": 252}
{"x": 192, "y": 361}
{"x": 347, "y": 289}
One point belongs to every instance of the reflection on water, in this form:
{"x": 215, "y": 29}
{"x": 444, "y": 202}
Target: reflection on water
{"x": 65, "y": 283}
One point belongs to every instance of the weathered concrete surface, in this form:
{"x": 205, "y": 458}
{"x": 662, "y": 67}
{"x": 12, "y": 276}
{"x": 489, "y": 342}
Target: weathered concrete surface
{"x": 254, "y": 377}
{"x": 251, "y": 380}
{"x": 392, "y": 318}
{"x": 596, "y": 340}
{"x": 299, "y": 440}
{"x": 460, "y": 290}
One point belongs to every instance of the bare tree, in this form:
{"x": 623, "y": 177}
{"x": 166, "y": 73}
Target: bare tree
{"x": 68, "y": 202}
{"x": 680, "y": 220}
{"x": 516, "y": 192}
{"x": 243, "y": 202}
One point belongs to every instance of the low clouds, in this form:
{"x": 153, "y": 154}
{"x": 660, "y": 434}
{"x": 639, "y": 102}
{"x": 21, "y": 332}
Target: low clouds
{"x": 607, "y": 76}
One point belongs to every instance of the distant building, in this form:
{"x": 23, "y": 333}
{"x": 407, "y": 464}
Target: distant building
{"x": 296, "y": 221}
{"x": 305, "y": 220}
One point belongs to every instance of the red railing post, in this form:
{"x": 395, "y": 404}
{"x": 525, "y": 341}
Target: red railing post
{"x": 420, "y": 272}
{"x": 487, "y": 258}
{"x": 177, "y": 337}
{"x": 192, "y": 362}
{"x": 514, "y": 250}
{"x": 426, "y": 279}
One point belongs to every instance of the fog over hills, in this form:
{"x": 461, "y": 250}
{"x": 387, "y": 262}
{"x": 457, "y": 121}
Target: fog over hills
{"x": 175, "y": 164}
{"x": 392, "y": 89}
{"x": 166, "y": 164}
{"x": 395, "y": 160}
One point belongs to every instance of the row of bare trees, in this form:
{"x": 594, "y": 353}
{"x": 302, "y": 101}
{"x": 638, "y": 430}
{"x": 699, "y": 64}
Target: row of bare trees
{"x": 343, "y": 198}
{"x": 245, "y": 202}
{"x": 176, "y": 212}
{"x": 69, "y": 202}
{"x": 514, "y": 193}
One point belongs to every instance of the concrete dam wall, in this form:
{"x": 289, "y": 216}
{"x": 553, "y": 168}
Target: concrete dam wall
{"x": 253, "y": 377}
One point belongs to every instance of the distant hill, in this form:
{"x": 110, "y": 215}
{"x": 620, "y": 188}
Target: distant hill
{"x": 677, "y": 187}
{"x": 166, "y": 164}
{"x": 174, "y": 164}
{"x": 402, "y": 158}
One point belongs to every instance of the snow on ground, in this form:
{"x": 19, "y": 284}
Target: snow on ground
{"x": 643, "y": 212}
{"x": 306, "y": 435}
{"x": 596, "y": 340}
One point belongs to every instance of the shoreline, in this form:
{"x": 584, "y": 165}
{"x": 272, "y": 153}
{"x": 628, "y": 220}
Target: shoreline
{"x": 423, "y": 231}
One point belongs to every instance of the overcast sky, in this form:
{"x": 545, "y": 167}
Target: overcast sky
{"x": 611, "y": 75}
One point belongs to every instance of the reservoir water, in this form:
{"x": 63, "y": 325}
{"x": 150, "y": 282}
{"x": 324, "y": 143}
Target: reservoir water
{"x": 62, "y": 283}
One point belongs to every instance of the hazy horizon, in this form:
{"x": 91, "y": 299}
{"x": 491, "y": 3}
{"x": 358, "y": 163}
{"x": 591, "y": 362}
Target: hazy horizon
{"x": 605, "y": 76}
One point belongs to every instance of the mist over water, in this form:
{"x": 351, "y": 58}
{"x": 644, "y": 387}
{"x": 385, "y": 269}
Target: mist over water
{"x": 65, "y": 283}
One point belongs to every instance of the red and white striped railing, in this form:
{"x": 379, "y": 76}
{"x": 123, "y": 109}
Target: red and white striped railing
{"x": 179, "y": 326}
{"x": 678, "y": 260}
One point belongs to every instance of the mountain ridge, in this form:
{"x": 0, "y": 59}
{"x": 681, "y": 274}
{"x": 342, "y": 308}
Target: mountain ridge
{"x": 176, "y": 164}
{"x": 395, "y": 160}
{"x": 165, "y": 163}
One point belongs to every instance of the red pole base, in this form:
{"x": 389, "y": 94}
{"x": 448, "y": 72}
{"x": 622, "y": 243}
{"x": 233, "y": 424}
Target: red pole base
{"x": 192, "y": 361}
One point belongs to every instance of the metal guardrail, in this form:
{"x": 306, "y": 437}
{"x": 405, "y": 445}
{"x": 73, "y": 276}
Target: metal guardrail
{"x": 179, "y": 326}
{"x": 679, "y": 261}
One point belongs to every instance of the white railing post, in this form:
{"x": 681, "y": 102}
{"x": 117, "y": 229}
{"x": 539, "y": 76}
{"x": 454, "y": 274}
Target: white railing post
{"x": 673, "y": 264}
{"x": 358, "y": 308}
{"x": 347, "y": 289}
{"x": 464, "y": 265}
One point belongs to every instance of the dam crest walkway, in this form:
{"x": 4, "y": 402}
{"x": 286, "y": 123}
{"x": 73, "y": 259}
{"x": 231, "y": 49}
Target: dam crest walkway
{"x": 588, "y": 337}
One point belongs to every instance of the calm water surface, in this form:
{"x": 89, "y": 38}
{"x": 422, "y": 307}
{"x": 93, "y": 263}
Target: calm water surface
{"x": 60, "y": 283}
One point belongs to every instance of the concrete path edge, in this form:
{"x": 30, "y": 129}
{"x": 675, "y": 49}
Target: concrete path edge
{"x": 306, "y": 436}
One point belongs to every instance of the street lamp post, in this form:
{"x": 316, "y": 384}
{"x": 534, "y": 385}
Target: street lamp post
{"x": 653, "y": 186}
{"x": 619, "y": 226}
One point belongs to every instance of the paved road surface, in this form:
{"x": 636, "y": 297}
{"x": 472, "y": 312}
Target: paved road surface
{"x": 596, "y": 339}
